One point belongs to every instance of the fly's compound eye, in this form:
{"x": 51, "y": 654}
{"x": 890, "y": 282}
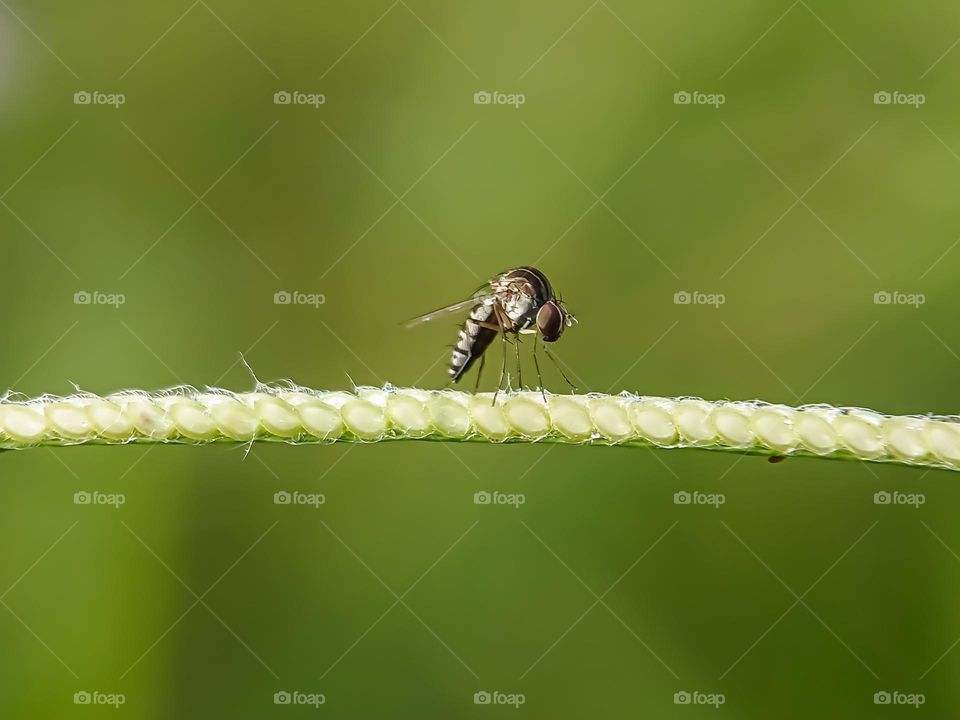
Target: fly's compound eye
{"x": 551, "y": 321}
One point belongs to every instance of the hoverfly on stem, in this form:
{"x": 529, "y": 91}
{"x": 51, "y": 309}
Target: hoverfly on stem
{"x": 517, "y": 302}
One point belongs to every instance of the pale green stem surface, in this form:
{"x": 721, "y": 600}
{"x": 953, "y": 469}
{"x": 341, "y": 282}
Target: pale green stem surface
{"x": 297, "y": 415}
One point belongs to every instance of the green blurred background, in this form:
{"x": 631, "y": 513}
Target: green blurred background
{"x": 200, "y": 198}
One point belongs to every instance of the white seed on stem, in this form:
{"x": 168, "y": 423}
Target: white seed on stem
{"x": 192, "y": 420}
{"x": 320, "y": 420}
{"x": 861, "y": 434}
{"x": 610, "y": 418}
{"x": 364, "y": 419}
{"x": 653, "y": 421}
{"x": 408, "y": 415}
{"x": 277, "y": 417}
{"x": 449, "y": 416}
{"x": 693, "y": 421}
{"x": 489, "y": 419}
{"x": 235, "y": 420}
{"x": 23, "y": 424}
{"x": 774, "y": 428}
{"x": 300, "y": 415}
{"x": 733, "y": 426}
{"x": 68, "y": 420}
{"x": 944, "y": 441}
{"x": 527, "y": 415}
{"x": 109, "y": 419}
{"x": 815, "y": 432}
{"x": 571, "y": 418}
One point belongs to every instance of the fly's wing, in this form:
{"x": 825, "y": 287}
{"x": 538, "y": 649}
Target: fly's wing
{"x": 444, "y": 312}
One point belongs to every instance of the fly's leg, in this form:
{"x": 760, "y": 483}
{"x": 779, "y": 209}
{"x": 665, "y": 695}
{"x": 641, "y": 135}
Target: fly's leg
{"x": 516, "y": 345}
{"x": 557, "y": 366}
{"x": 536, "y": 364}
{"x": 483, "y": 359}
{"x": 503, "y": 371}
{"x": 503, "y": 364}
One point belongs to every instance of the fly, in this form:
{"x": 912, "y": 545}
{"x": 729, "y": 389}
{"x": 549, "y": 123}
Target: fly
{"x": 517, "y": 302}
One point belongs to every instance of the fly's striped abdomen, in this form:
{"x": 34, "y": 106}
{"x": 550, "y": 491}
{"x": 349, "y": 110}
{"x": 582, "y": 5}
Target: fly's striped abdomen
{"x": 472, "y": 340}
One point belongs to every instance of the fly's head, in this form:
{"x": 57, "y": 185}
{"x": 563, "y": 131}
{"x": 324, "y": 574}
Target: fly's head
{"x": 553, "y": 319}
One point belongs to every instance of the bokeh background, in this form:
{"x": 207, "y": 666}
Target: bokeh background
{"x": 794, "y": 201}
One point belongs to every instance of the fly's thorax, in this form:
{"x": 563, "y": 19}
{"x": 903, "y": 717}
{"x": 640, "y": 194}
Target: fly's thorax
{"x": 532, "y": 282}
{"x": 521, "y": 309}
{"x": 519, "y": 295}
